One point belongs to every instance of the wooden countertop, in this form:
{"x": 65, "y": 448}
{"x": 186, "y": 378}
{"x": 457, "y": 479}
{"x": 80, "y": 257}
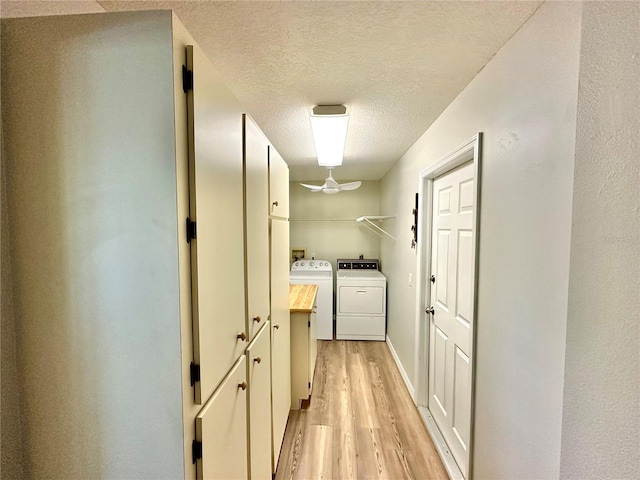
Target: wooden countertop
{"x": 302, "y": 298}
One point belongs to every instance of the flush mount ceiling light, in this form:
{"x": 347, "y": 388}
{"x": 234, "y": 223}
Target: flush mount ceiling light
{"x": 329, "y": 127}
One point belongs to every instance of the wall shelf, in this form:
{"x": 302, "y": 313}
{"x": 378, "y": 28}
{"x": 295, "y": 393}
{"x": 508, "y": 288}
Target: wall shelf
{"x": 367, "y": 221}
{"x": 322, "y": 220}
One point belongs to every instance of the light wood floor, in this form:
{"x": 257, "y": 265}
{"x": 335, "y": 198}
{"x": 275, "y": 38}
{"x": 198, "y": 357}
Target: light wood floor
{"x": 360, "y": 422}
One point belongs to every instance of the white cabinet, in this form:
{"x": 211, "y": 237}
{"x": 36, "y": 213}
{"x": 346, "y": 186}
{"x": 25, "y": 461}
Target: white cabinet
{"x": 304, "y": 352}
{"x": 259, "y": 379}
{"x": 256, "y": 220}
{"x": 278, "y": 185}
{"x": 280, "y": 333}
{"x": 221, "y": 429}
{"x": 279, "y": 282}
{"x": 216, "y": 206}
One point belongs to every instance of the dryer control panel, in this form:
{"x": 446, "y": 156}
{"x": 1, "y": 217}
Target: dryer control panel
{"x": 358, "y": 264}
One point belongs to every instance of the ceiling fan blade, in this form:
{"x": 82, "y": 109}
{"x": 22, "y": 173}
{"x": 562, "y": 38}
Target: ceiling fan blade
{"x": 350, "y": 185}
{"x": 313, "y": 188}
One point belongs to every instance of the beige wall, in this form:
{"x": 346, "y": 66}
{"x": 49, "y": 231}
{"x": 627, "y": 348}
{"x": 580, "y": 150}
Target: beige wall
{"x": 92, "y": 228}
{"x": 11, "y": 411}
{"x": 601, "y": 414}
{"x": 11, "y": 466}
{"x": 525, "y": 102}
{"x": 330, "y": 240}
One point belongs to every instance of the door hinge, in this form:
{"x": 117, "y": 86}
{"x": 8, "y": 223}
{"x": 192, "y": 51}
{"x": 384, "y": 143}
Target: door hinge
{"x": 309, "y": 324}
{"x": 187, "y": 79}
{"x": 309, "y": 385}
{"x": 195, "y": 373}
{"x": 192, "y": 230}
{"x": 196, "y": 450}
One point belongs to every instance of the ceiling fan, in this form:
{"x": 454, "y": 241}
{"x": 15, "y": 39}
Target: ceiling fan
{"x": 331, "y": 186}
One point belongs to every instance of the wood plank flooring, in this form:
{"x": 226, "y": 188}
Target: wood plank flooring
{"x": 360, "y": 422}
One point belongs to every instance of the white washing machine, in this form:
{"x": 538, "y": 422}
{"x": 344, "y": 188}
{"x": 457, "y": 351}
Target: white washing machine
{"x": 317, "y": 272}
{"x": 361, "y": 303}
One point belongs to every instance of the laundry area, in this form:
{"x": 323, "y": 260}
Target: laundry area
{"x": 324, "y": 229}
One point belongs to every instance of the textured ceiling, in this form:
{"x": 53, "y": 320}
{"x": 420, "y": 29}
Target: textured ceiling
{"x": 395, "y": 65}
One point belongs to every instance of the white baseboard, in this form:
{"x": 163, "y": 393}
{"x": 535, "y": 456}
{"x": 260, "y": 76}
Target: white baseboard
{"x": 403, "y": 373}
{"x": 445, "y": 454}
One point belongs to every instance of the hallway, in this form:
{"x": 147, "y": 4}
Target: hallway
{"x": 360, "y": 422}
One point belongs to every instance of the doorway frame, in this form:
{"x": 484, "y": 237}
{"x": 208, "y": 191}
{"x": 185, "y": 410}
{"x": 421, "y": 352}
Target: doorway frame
{"x": 471, "y": 150}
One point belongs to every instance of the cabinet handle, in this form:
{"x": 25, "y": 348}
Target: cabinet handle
{"x": 242, "y": 336}
{"x": 275, "y": 204}
{"x": 257, "y": 319}
{"x": 257, "y": 359}
{"x": 276, "y": 326}
{"x": 242, "y": 385}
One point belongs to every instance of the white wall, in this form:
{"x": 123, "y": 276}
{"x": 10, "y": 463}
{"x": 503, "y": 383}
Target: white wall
{"x": 333, "y": 240}
{"x": 12, "y": 464}
{"x": 91, "y": 204}
{"x": 524, "y": 101}
{"x": 601, "y": 414}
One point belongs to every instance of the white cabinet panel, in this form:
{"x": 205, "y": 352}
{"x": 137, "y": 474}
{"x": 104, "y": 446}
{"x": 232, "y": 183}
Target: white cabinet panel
{"x": 216, "y": 205}
{"x": 278, "y": 185}
{"x": 259, "y": 379}
{"x": 303, "y": 356}
{"x": 280, "y": 333}
{"x": 256, "y": 215}
{"x": 221, "y": 427}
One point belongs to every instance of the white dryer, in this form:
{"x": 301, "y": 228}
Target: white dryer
{"x": 317, "y": 272}
{"x": 361, "y": 303}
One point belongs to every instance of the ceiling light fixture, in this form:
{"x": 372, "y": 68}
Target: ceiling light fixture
{"x": 329, "y": 127}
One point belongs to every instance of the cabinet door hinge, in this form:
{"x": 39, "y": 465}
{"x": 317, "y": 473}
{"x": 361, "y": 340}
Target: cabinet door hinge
{"x": 192, "y": 230}
{"x": 187, "y": 79}
{"x": 196, "y": 450}
{"x": 195, "y": 373}
{"x": 309, "y": 324}
{"x": 309, "y": 385}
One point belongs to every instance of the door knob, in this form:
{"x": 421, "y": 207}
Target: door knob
{"x": 257, "y": 359}
{"x": 276, "y": 326}
{"x": 275, "y": 204}
{"x": 242, "y": 336}
{"x": 242, "y": 385}
{"x": 257, "y": 319}
{"x": 430, "y": 310}
{"x": 433, "y": 279}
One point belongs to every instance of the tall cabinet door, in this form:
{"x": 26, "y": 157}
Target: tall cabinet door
{"x": 216, "y": 208}
{"x": 256, "y": 220}
{"x": 259, "y": 377}
{"x": 280, "y": 333}
{"x": 278, "y": 185}
{"x": 221, "y": 429}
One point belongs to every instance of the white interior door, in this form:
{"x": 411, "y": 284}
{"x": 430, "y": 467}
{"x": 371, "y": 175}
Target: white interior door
{"x": 451, "y": 321}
